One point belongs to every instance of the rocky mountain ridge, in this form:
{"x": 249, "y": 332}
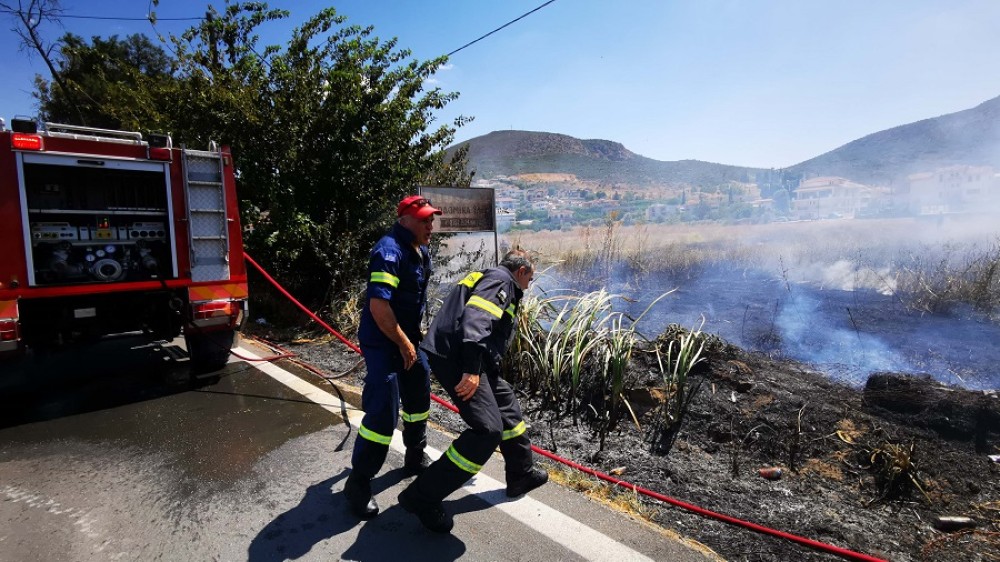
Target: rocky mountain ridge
{"x": 969, "y": 137}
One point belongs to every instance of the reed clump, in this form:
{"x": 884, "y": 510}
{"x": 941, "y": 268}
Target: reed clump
{"x": 576, "y": 353}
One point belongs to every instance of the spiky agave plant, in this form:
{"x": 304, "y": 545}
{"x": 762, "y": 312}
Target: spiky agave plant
{"x": 682, "y": 355}
{"x": 566, "y": 329}
{"x": 618, "y": 346}
{"x": 545, "y": 347}
{"x": 585, "y": 333}
{"x": 518, "y": 363}
{"x": 524, "y": 362}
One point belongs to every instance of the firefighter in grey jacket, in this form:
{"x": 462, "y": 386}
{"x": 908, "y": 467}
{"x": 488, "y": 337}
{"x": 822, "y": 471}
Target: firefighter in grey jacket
{"x": 464, "y": 346}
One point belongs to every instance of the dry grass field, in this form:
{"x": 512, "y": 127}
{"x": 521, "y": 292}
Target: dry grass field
{"x": 933, "y": 264}
{"x": 824, "y": 240}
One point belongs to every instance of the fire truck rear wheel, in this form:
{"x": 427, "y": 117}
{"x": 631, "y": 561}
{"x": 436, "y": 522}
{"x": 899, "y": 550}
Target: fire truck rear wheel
{"x": 209, "y": 351}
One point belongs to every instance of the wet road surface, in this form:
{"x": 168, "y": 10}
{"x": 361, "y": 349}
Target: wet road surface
{"x": 110, "y": 452}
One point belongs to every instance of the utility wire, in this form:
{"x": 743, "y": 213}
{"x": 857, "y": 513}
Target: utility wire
{"x": 114, "y": 18}
{"x": 147, "y": 18}
{"x": 522, "y": 16}
{"x": 128, "y": 19}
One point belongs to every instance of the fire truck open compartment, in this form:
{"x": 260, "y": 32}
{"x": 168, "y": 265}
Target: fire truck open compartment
{"x": 105, "y": 233}
{"x": 96, "y": 220}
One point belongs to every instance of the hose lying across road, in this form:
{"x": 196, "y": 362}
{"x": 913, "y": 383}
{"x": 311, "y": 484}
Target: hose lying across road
{"x": 814, "y": 544}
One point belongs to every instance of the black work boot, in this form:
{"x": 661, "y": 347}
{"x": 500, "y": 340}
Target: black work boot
{"x": 358, "y": 492}
{"x": 416, "y": 462}
{"x": 524, "y": 484}
{"x": 431, "y": 514}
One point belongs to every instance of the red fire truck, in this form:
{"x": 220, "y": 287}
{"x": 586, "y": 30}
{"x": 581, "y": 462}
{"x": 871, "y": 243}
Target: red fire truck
{"x": 104, "y": 232}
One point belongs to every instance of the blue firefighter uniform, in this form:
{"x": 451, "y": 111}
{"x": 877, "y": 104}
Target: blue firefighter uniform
{"x": 470, "y": 334}
{"x": 398, "y": 273}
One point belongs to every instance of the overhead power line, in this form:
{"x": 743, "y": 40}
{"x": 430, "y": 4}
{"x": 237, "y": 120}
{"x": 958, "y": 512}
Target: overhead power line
{"x": 130, "y": 19}
{"x": 148, "y": 18}
{"x": 522, "y": 16}
{"x": 114, "y": 18}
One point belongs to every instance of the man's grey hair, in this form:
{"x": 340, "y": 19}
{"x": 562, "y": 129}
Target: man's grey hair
{"x": 516, "y": 259}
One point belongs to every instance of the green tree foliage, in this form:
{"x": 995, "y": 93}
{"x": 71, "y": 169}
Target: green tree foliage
{"x": 702, "y": 210}
{"x": 782, "y": 201}
{"x": 328, "y": 132}
{"x": 101, "y": 76}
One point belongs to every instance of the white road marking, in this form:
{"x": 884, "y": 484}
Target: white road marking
{"x": 560, "y": 528}
{"x": 80, "y": 518}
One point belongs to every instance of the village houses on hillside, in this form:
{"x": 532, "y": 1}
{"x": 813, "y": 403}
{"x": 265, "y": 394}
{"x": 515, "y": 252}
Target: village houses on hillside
{"x": 830, "y": 197}
{"x": 954, "y": 189}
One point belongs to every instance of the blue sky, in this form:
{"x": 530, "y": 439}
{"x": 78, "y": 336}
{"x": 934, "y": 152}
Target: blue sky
{"x": 765, "y": 83}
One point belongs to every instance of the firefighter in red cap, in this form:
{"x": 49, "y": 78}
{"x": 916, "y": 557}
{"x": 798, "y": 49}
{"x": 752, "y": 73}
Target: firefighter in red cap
{"x": 399, "y": 268}
{"x": 464, "y": 345}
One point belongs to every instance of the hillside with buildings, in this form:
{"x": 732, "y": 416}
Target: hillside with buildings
{"x": 511, "y": 153}
{"x": 938, "y": 166}
{"x": 964, "y": 138}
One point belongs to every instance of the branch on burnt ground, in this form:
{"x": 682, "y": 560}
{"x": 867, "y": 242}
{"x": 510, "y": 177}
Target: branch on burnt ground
{"x": 795, "y": 445}
{"x": 739, "y": 445}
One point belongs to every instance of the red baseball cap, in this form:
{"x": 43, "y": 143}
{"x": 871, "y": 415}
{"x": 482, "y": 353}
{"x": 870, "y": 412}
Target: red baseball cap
{"x": 418, "y": 206}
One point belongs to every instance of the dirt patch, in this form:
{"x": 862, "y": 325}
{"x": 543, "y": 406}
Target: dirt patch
{"x": 543, "y": 177}
{"x": 861, "y": 469}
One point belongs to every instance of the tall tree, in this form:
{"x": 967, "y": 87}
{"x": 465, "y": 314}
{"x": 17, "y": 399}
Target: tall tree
{"x": 327, "y": 131}
{"x": 103, "y": 78}
{"x": 30, "y": 15}
{"x": 781, "y": 201}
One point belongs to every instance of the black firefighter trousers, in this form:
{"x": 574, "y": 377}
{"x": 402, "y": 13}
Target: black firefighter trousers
{"x": 494, "y": 418}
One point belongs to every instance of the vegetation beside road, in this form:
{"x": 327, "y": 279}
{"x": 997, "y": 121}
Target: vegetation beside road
{"x": 328, "y": 130}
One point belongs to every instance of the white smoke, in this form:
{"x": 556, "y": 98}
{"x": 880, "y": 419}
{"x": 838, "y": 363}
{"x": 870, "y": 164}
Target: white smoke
{"x": 845, "y": 275}
{"x": 809, "y": 334}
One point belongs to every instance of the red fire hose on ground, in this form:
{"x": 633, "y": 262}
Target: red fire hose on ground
{"x": 326, "y": 326}
{"x": 814, "y": 544}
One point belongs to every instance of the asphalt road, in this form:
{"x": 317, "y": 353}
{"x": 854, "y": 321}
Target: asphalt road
{"x": 110, "y": 452}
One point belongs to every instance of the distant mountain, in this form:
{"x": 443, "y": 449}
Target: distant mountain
{"x": 508, "y": 153}
{"x": 966, "y": 137}
{"x": 970, "y": 137}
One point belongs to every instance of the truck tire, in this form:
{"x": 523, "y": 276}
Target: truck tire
{"x": 209, "y": 351}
